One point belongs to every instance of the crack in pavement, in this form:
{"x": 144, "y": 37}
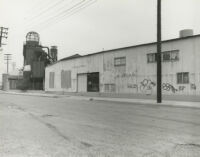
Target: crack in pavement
{"x": 47, "y": 115}
{"x": 50, "y": 126}
{"x": 53, "y": 128}
{"x": 86, "y": 144}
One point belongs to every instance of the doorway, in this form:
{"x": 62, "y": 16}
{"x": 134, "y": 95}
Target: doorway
{"x": 93, "y": 82}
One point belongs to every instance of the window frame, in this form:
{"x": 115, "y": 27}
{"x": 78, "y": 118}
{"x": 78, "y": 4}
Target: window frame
{"x": 119, "y": 61}
{"x": 166, "y": 56}
{"x": 181, "y": 78}
{"x": 154, "y": 58}
{"x": 171, "y": 53}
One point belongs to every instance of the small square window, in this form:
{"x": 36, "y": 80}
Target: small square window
{"x": 166, "y": 56}
{"x": 120, "y": 61}
{"x": 174, "y": 55}
{"x": 183, "y": 78}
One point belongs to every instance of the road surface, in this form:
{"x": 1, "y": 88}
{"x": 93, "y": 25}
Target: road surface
{"x": 32, "y": 126}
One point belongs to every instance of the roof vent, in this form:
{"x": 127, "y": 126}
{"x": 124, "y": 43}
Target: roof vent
{"x": 186, "y": 33}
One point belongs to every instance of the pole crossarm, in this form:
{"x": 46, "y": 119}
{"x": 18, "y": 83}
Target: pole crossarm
{"x": 3, "y": 34}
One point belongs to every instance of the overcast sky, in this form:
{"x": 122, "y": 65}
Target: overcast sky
{"x": 87, "y": 26}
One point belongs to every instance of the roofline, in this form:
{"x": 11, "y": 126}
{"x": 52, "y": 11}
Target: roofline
{"x": 134, "y": 46}
{"x": 139, "y": 45}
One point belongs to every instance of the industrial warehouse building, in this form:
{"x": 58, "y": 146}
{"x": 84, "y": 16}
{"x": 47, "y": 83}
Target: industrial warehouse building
{"x": 131, "y": 69}
{"x": 35, "y": 61}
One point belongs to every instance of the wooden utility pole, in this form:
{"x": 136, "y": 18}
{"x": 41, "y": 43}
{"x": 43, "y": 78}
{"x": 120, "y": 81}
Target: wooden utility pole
{"x": 3, "y": 34}
{"x": 7, "y": 57}
{"x": 159, "y": 54}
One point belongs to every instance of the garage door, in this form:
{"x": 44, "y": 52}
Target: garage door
{"x": 82, "y": 82}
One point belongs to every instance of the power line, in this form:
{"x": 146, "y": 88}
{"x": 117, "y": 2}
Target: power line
{"x": 80, "y": 8}
{"x": 39, "y": 14}
{"x": 63, "y": 11}
{"x": 70, "y": 12}
{"x": 67, "y": 16}
{"x": 37, "y": 6}
{"x": 55, "y": 13}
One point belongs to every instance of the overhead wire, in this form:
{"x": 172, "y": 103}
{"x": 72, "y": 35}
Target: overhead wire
{"x": 67, "y": 16}
{"x": 65, "y": 12}
{"x": 46, "y": 10}
{"x": 56, "y": 12}
{"x": 37, "y": 6}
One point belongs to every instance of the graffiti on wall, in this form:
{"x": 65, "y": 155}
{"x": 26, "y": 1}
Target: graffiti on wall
{"x": 132, "y": 86}
{"x": 181, "y": 88}
{"x": 146, "y": 86}
{"x": 126, "y": 75}
{"x": 193, "y": 86}
{"x": 169, "y": 87}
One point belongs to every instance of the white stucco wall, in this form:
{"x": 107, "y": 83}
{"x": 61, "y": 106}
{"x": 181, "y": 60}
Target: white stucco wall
{"x": 137, "y": 76}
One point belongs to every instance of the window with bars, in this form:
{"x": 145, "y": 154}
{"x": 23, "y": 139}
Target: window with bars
{"x": 183, "y": 78}
{"x": 120, "y": 61}
{"x": 166, "y": 56}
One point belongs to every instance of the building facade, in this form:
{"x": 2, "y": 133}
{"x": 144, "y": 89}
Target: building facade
{"x": 131, "y": 70}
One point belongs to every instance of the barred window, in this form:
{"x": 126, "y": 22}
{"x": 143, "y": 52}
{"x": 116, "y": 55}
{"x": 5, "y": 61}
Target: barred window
{"x": 183, "y": 78}
{"x": 170, "y": 55}
{"x": 120, "y": 61}
{"x": 166, "y": 56}
{"x": 175, "y": 55}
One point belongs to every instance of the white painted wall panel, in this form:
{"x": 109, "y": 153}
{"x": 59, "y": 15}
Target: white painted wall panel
{"x": 82, "y": 82}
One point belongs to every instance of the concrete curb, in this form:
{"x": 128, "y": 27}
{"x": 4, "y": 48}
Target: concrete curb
{"x": 150, "y": 102}
{"x": 33, "y": 94}
{"x": 119, "y": 100}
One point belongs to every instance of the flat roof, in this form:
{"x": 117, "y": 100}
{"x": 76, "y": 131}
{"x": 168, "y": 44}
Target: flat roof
{"x": 139, "y": 45}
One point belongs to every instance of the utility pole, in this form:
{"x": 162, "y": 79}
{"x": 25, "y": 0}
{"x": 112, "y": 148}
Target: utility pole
{"x": 7, "y": 57}
{"x": 159, "y": 54}
{"x": 3, "y": 34}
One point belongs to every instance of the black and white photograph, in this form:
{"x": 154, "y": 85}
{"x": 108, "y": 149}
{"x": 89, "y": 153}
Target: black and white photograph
{"x": 99, "y": 78}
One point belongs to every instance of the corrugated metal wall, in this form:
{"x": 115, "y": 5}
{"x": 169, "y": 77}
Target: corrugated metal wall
{"x": 136, "y": 75}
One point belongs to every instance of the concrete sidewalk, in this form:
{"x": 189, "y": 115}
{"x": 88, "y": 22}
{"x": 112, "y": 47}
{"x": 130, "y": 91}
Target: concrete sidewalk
{"x": 145, "y": 101}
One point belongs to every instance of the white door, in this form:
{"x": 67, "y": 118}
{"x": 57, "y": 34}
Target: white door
{"x": 82, "y": 82}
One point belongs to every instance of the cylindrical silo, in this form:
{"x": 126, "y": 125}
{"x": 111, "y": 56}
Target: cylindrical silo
{"x": 54, "y": 53}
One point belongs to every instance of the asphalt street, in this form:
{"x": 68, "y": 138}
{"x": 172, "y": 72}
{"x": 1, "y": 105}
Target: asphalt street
{"x": 32, "y": 126}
